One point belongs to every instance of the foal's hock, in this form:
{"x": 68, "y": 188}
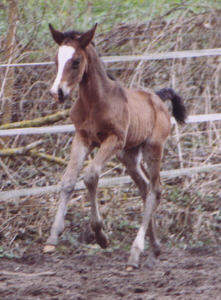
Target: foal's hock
{"x": 130, "y": 123}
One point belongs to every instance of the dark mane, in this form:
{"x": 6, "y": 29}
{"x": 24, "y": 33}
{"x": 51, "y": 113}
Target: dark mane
{"x": 72, "y": 34}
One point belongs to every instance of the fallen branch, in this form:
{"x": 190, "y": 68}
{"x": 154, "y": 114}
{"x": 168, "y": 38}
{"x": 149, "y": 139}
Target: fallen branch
{"x": 8, "y": 273}
{"x": 48, "y": 157}
{"x": 38, "y": 121}
{"x": 27, "y": 150}
{"x": 19, "y": 150}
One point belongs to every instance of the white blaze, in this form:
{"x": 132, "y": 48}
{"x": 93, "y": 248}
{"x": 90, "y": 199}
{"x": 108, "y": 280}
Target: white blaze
{"x": 64, "y": 54}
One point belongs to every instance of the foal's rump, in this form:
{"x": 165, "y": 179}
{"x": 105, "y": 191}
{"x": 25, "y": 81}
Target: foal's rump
{"x": 148, "y": 116}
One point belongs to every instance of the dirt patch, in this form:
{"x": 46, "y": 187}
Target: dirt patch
{"x": 194, "y": 273}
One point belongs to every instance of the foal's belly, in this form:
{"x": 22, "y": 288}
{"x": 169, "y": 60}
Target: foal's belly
{"x": 138, "y": 132}
{"x": 142, "y": 121}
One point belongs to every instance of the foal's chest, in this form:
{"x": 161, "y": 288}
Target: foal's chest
{"x": 90, "y": 124}
{"x": 91, "y": 130}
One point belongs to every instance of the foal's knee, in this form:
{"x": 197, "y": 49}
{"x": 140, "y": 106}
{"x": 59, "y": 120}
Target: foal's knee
{"x": 91, "y": 177}
{"x": 158, "y": 197}
{"x": 67, "y": 187}
{"x": 155, "y": 186}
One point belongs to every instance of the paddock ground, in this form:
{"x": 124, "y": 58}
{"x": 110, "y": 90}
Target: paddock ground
{"x": 194, "y": 273}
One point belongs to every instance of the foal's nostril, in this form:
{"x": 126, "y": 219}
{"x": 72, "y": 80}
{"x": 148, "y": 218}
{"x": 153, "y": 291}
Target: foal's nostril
{"x": 60, "y": 95}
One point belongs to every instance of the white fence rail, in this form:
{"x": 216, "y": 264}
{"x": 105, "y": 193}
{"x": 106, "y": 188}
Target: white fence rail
{"x": 127, "y": 58}
{"x": 70, "y": 128}
{"x": 104, "y": 182}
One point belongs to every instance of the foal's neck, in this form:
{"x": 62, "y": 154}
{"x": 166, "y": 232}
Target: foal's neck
{"x": 95, "y": 82}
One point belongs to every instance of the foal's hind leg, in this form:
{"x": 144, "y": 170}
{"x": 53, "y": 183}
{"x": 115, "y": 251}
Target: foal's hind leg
{"x": 79, "y": 151}
{"x": 132, "y": 160}
{"x": 152, "y": 154}
{"x": 154, "y": 243}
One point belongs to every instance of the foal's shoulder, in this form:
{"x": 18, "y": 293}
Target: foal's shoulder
{"x": 118, "y": 91}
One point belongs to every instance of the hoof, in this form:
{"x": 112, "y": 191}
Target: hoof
{"x": 101, "y": 239}
{"x": 157, "y": 251}
{"x": 87, "y": 236}
{"x": 132, "y": 267}
{"x": 151, "y": 261}
{"x": 49, "y": 248}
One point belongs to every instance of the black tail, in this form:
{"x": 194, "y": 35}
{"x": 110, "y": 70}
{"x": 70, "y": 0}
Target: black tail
{"x": 179, "y": 110}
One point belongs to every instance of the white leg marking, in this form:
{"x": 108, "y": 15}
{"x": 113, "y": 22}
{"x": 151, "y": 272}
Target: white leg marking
{"x": 139, "y": 240}
{"x": 138, "y": 244}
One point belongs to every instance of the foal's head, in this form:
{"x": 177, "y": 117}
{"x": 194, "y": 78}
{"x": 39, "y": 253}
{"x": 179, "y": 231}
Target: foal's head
{"x": 71, "y": 60}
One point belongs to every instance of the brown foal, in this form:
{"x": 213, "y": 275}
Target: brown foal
{"x": 132, "y": 124}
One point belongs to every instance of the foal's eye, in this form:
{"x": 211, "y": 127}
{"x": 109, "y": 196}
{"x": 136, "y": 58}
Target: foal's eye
{"x": 75, "y": 63}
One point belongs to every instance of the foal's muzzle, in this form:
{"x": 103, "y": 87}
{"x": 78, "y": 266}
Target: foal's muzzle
{"x": 59, "y": 96}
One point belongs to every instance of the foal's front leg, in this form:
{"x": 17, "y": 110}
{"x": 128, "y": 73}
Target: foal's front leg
{"x": 79, "y": 150}
{"x": 107, "y": 149}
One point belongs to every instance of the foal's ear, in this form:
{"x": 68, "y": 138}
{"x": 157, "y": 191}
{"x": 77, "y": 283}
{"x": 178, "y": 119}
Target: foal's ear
{"x": 87, "y": 37}
{"x": 57, "y": 35}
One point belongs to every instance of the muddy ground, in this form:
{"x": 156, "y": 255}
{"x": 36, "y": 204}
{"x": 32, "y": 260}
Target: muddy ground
{"x": 194, "y": 273}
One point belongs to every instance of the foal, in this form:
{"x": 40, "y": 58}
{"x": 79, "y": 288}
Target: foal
{"x": 132, "y": 124}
